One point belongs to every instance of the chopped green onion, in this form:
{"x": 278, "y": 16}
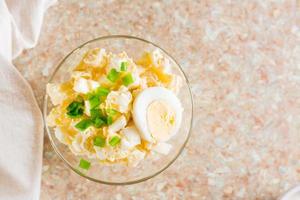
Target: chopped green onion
{"x": 98, "y": 122}
{"x": 113, "y": 75}
{"x": 96, "y": 112}
{"x": 124, "y": 66}
{"x": 94, "y": 101}
{"x": 128, "y": 79}
{"x": 75, "y": 109}
{"x": 99, "y": 141}
{"x": 98, "y": 118}
{"x": 109, "y": 120}
{"x": 84, "y": 124}
{"x": 111, "y": 112}
{"x": 114, "y": 141}
{"x": 90, "y": 95}
{"x": 101, "y": 91}
{"x": 84, "y": 164}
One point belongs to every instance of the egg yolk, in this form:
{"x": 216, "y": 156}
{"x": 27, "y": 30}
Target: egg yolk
{"x": 161, "y": 120}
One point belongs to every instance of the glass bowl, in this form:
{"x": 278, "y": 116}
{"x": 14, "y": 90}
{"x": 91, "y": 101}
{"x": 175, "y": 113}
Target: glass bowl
{"x": 120, "y": 174}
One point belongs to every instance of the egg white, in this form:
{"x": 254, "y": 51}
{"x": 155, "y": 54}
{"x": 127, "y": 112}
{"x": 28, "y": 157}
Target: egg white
{"x": 144, "y": 99}
{"x": 119, "y": 124}
{"x": 82, "y": 85}
{"x": 162, "y": 148}
{"x": 96, "y": 59}
{"x": 121, "y": 98}
{"x": 130, "y": 137}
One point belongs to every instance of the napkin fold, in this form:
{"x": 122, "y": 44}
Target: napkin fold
{"x": 21, "y": 125}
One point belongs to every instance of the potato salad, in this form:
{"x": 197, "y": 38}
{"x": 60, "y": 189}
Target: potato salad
{"x": 115, "y": 109}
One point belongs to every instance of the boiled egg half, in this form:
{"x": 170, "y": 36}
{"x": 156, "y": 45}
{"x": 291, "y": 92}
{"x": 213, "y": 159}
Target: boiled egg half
{"x": 157, "y": 114}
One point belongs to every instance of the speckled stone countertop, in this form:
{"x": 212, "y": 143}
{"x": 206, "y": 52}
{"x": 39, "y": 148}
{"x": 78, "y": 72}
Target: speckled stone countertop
{"x": 243, "y": 62}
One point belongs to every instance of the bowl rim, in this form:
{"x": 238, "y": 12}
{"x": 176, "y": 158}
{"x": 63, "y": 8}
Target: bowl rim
{"x": 290, "y": 193}
{"x": 138, "y": 180}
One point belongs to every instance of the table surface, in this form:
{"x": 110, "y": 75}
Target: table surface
{"x": 243, "y": 62}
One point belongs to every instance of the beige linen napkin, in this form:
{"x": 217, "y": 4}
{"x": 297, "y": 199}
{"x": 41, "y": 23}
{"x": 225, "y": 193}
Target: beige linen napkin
{"x": 21, "y": 126}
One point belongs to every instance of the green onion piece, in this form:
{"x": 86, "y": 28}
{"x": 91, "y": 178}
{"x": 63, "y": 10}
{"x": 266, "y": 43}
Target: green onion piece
{"x": 98, "y": 118}
{"x": 84, "y": 164}
{"x": 111, "y": 112}
{"x": 98, "y": 122}
{"x": 101, "y": 91}
{"x": 109, "y": 120}
{"x": 90, "y": 95}
{"x": 128, "y": 79}
{"x": 96, "y": 112}
{"x": 114, "y": 141}
{"x": 124, "y": 66}
{"x": 94, "y": 101}
{"x": 75, "y": 109}
{"x": 113, "y": 75}
{"x": 99, "y": 141}
{"x": 84, "y": 124}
